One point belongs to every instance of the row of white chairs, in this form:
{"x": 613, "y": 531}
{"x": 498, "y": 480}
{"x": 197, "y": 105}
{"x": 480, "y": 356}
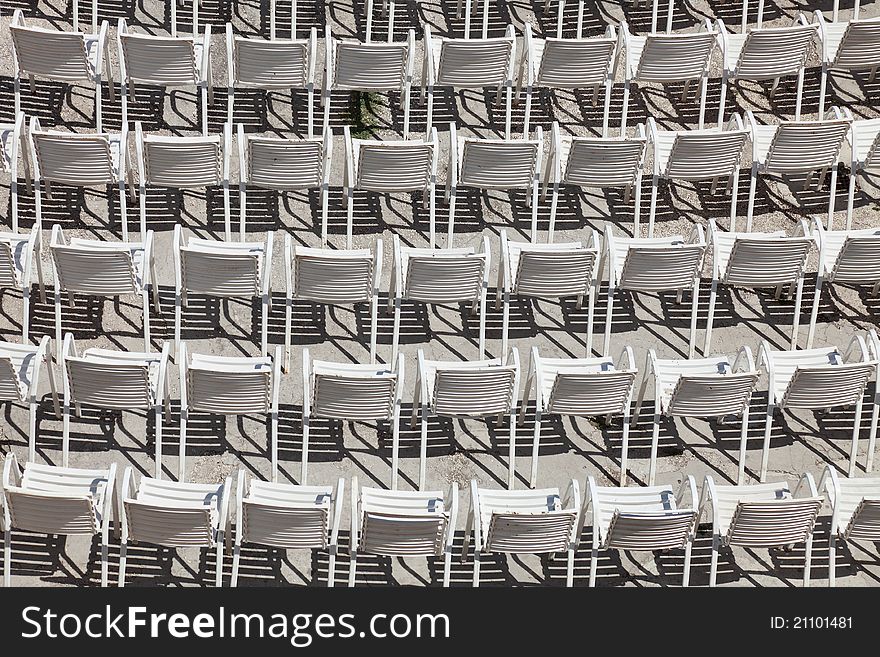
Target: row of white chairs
{"x": 392, "y": 523}
{"x": 554, "y": 63}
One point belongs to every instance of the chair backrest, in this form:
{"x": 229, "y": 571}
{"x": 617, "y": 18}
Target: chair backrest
{"x": 51, "y": 53}
{"x": 160, "y": 60}
{"x": 773, "y": 523}
{"x": 333, "y": 276}
{"x": 575, "y": 63}
{"x": 674, "y": 57}
{"x": 712, "y": 395}
{"x": 474, "y": 392}
{"x": 591, "y": 393}
{"x": 393, "y": 166}
{"x": 441, "y": 277}
{"x": 10, "y": 383}
{"x": 703, "y": 154}
{"x": 594, "y": 162}
{"x": 296, "y": 518}
{"x": 10, "y": 265}
{"x": 554, "y": 273}
{"x": 173, "y": 514}
{"x": 274, "y": 163}
{"x": 858, "y": 48}
{"x": 775, "y": 52}
{"x": 499, "y": 164}
{"x": 664, "y": 530}
{"x": 183, "y": 161}
{"x": 474, "y": 63}
{"x": 402, "y": 524}
{"x": 824, "y": 386}
{"x": 858, "y": 260}
{"x": 373, "y": 65}
{"x": 98, "y": 271}
{"x": 229, "y": 390}
{"x": 266, "y": 64}
{"x": 661, "y": 268}
{"x": 353, "y": 396}
{"x": 864, "y": 525}
{"x": 109, "y": 385}
{"x": 72, "y": 159}
{"x": 767, "y": 262}
{"x": 805, "y": 146}
{"x": 219, "y": 273}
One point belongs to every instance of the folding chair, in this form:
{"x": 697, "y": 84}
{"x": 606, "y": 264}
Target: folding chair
{"x": 288, "y": 517}
{"x": 502, "y": 164}
{"x": 818, "y": 379}
{"x": 114, "y": 380}
{"x": 693, "y": 155}
{"x": 222, "y": 269}
{"x": 663, "y": 58}
{"x": 768, "y": 53}
{"x": 14, "y": 147}
{"x": 370, "y": 67}
{"x": 759, "y": 260}
{"x": 174, "y": 514}
{"x": 439, "y": 276}
{"x": 105, "y": 269}
{"x": 469, "y": 64}
{"x": 284, "y": 165}
{"x": 653, "y": 264}
{"x": 641, "y": 518}
{"x": 761, "y": 516}
{"x": 549, "y": 271}
{"x": 273, "y": 65}
{"x": 855, "y": 512}
{"x": 851, "y": 257}
{"x": 18, "y": 254}
{"x": 580, "y": 387}
{"x": 466, "y": 389}
{"x": 229, "y": 385}
{"x": 353, "y": 392}
{"x": 567, "y": 64}
{"x": 62, "y": 57}
{"x": 20, "y": 366}
{"x": 523, "y": 522}
{"x": 57, "y": 501}
{"x": 165, "y": 62}
{"x": 387, "y": 167}
{"x": 333, "y": 277}
{"x": 402, "y": 524}
{"x": 796, "y": 147}
{"x": 595, "y": 162}
{"x": 80, "y": 160}
{"x": 863, "y": 144}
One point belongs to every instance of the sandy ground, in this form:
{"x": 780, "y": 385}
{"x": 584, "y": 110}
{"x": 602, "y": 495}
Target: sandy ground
{"x": 459, "y": 451}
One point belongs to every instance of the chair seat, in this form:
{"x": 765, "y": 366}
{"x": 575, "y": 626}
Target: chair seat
{"x": 728, "y": 497}
{"x": 7, "y": 136}
{"x": 19, "y": 248}
{"x": 735, "y": 44}
{"x": 834, "y": 240}
{"x": 231, "y": 364}
{"x": 431, "y": 368}
{"x": 724, "y": 243}
{"x": 526, "y": 502}
{"x": 620, "y": 247}
{"x": 135, "y": 249}
{"x": 551, "y": 368}
{"x": 762, "y": 138}
{"x": 785, "y": 363}
{"x": 864, "y": 134}
{"x": 630, "y": 499}
{"x": 289, "y": 495}
{"x": 834, "y": 33}
{"x": 112, "y": 357}
{"x": 24, "y": 360}
{"x": 357, "y": 370}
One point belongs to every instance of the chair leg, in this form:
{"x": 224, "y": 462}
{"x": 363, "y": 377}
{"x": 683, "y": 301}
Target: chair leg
{"x": 655, "y": 441}
{"x": 832, "y": 559}
{"x": 832, "y": 194}
{"x": 32, "y": 430}
{"x": 331, "y": 568}
{"x": 722, "y": 101}
{"x": 25, "y": 315}
{"x": 511, "y": 468}
{"x": 105, "y": 566}
{"x": 609, "y": 312}
{"x": 695, "y": 306}
{"x": 447, "y": 568}
{"x": 273, "y": 443}
{"x": 123, "y": 555}
{"x": 536, "y": 441}
{"x": 264, "y": 329}
{"x": 625, "y": 108}
{"x": 624, "y": 453}
{"x": 752, "y": 188}
{"x": 304, "y": 472}
{"x": 743, "y": 439}
{"x": 7, "y": 558}
{"x": 476, "y": 575}
{"x": 218, "y": 577}
{"x": 652, "y": 213}
{"x": 872, "y": 438}
{"x": 236, "y": 557}
{"x": 349, "y": 221}
{"x": 65, "y": 433}
{"x": 594, "y": 565}
{"x": 423, "y": 447}
{"x": 686, "y": 574}
{"x": 452, "y": 199}
{"x": 181, "y": 458}
{"x": 554, "y": 204}
{"x": 352, "y": 568}
{"x": 713, "y": 567}
{"x": 851, "y": 195}
{"x": 710, "y": 321}
{"x": 765, "y": 453}
{"x": 505, "y": 324}
{"x": 808, "y": 559}
{"x": 157, "y": 420}
{"x": 854, "y": 449}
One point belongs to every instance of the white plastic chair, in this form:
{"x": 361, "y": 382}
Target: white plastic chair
{"x": 106, "y": 269}
{"x": 818, "y": 379}
{"x": 662, "y": 58}
{"x": 283, "y": 165}
{"x": 439, "y": 276}
{"x": 796, "y": 147}
{"x": 580, "y": 387}
{"x": 174, "y": 514}
{"x": 693, "y": 155}
{"x": 222, "y": 269}
{"x": 641, "y": 518}
{"x": 855, "y": 512}
{"x": 166, "y": 62}
{"x": 469, "y": 64}
{"x": 273, "y": 65}
{"x": 184, "y": 163}
{"x": 541, "y": 521}
{"x": 388, "y": 167}
{"x": 288, "y": 517}
{"x": 80, "y": 160}
{"x": 549, "y": 271}
{"x": 761, "y": 516}
{"x": 228, "y": 385}
{"x": 333, "y": 277}
{"x": 863, "y": 144}
{"x": 502, "y": 164}
{"x": 653, "y": 265}
{"x": 466, "y": 389}
{"x": 14, "y": 147}
{"x": 353, "y": 392}
{"x": 20, "y": 366}
{"x": 595, "y": 162}
{"x": 567, "y": 64}
{"x": 60, "y": 56}
{"x": 57, "y": 501}
{"x": 714, "y": 386}
{"x": 768, "y": 53}
{"x": 373, "y": 66}
{"x": 402, "y": 524}
{"x": 18, "y": 254}
{"x": 759, "y": 260}
{"x": 115, "y": 380}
